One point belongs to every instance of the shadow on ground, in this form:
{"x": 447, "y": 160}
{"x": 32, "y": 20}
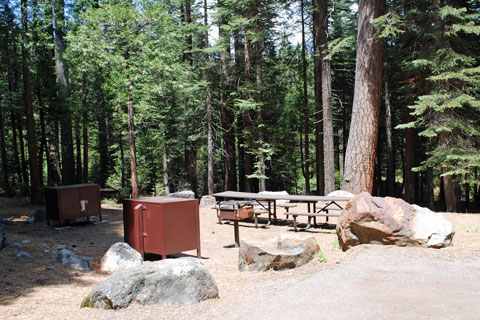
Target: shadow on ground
{"x": 20, "y": 275}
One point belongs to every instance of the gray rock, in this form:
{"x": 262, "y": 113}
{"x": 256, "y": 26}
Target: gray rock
{"x": 119, "y": 257}
{"x": 59, "y": 247}
{"x": 68, "y": 257}
{"x": 3, "y": 240}
{"x": 17, "y": 246}
{"x": 340, "y": 193}
{"x": 391, "y": 221}
{"x": 24, "y": 254}
{"x": 284, "y": 252}
{"x": 187, "y": 194}
{"x": 182, "y": 281}
{"x": 206, "y": 201}
{"x": 40, "y": 215}
{"x": 4, "y": 223}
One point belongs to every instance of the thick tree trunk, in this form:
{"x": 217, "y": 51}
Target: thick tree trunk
{"x": 328, "y": 137}
{"x": 35, "y": 187}
{"x": 362, "y": 140}
{"x": 320, "y": 23}
{"x": 389, "y": 138}
{"x": 306, "y": 111}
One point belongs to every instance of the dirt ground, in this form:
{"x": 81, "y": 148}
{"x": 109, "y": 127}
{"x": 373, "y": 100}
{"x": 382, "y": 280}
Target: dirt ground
{"x": 40, "y": 288}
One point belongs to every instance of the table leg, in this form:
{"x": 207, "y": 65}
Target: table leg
{"x": 236, "y": 232}
{"x": 269, "y": 213}
{"x": 295, "y": 223}
{"x": 275, "y": 210}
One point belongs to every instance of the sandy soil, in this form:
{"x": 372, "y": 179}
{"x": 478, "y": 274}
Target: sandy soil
{"x": 40, "y": 288}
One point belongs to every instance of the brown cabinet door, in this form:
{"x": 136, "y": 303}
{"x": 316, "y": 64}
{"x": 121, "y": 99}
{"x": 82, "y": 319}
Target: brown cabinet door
{"x": 91, "y": 195}
{"x": 69, "y": 204}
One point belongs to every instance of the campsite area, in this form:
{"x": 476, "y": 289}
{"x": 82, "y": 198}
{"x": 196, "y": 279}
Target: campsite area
{"x": 365, "y": 282}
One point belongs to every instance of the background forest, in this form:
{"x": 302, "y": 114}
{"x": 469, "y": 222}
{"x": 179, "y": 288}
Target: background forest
{"x": 140, "y": 97}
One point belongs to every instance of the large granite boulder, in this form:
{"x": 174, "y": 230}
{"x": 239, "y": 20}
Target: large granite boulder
{"x": 182, "y": 281}
{"x": 277, "y": 193}
{"x": 207, "y": 201}
{"x": 284, "y": 252}
{"x": 119, "y": 257}
{"x": 340, "y": 193}
{"x": 187, "y": 194}
{"x": 391, "y": 221}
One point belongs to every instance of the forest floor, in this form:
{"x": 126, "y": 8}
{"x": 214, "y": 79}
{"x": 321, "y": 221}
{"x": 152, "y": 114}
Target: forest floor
{"x": 362, "y": 283}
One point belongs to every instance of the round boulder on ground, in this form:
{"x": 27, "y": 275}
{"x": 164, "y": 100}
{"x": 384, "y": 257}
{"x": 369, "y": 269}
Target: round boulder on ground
{"x": 119, "y": 257}
{"x": 284, "y": 252}
{"x": 66, "y": 256}
{"x": 207, "y": 201}
{"x": 391, "y": 221}
{"x": 182, "y": 281}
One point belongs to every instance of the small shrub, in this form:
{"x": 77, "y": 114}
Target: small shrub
{"x": 321, "y": 257}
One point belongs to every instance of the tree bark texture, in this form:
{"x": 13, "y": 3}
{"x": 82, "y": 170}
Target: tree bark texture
{"x": 133, "y": 149}
{"x": 3, "y": 150}
{"x": 208, "y": 104}
{"x": 23, "y": 158}
{"x": 68, "y": 160}
{"x": 389, "y": 142}
{"x": 190, "y": 147}
{"x": 78, "y": 146}
{"x": 306, "y": 111}
{"x": 362, "y": 140}
{"x": 227, "y": 116}
{"x": 85, "y": 128}
{"x": 165, "y": 170}
{"x": 320, "y": 23}
{"x": 103, "y": 142}
{"x": 35, "y": 191}
{"x": 318, "y": 28}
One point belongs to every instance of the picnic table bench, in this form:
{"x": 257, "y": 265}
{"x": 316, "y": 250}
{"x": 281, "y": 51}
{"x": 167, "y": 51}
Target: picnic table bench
{"x": 310, "y": 215}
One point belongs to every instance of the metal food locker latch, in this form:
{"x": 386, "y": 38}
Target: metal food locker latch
{"x": 83, "y": 205}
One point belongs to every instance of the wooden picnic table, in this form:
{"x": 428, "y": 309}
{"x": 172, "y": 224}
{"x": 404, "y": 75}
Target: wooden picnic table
{"x": 271, "y": 198}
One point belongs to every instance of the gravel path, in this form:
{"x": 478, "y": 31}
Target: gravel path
{"x": 377, "y": 283}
